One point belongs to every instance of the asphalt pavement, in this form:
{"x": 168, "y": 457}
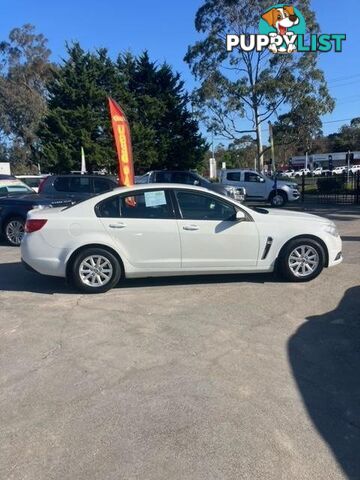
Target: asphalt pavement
{"x": 227, "y": 377}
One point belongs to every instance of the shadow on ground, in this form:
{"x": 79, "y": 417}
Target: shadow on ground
{"x": 15, "y": 278}
{"x": 324, "y": 354}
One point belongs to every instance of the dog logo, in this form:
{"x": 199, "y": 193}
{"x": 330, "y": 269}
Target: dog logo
{"x": 282, "y": 29}
{"x": 286, "y": 22}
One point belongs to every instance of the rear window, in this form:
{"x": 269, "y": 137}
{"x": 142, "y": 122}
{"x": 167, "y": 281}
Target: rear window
{"x": 32, "y": 182}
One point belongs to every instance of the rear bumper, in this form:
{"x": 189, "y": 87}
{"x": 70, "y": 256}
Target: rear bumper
{"x": 40, "y": 257}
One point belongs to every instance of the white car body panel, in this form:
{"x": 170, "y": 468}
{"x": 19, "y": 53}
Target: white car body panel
{"x": 152, "y": 247}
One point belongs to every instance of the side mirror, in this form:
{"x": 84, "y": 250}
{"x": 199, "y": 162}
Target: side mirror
{"x": 196, "y": 182}
{"x": 240, "y": 216}
{"x": 262, "y": 180}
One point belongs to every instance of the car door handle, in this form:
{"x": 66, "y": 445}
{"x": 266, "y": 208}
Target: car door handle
{"x": 191, "y": 228}
{"x": 117, "y": 225}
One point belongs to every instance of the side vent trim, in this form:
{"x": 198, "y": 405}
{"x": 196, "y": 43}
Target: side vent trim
{"x": 269, "y": 242}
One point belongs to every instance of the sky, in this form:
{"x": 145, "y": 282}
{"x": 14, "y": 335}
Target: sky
{"x": 166, "y": 29}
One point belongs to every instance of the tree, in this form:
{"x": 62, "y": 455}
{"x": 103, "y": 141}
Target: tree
{"x": 24, "y": 71}
{"x": 299, "y": 127}
{"x": 164, "y": 133}
{"x": 251, "y": 85}
{"x": 78, "y": 113}
{"x": 347, "y": 138}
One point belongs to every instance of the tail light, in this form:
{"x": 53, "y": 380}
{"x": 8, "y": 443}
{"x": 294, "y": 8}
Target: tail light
{"x": 41, "y": 185}
{"x": 33, "y": 225}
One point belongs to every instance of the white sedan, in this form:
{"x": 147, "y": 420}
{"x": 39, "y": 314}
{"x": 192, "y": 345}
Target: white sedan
{"x": 167, "y": 229}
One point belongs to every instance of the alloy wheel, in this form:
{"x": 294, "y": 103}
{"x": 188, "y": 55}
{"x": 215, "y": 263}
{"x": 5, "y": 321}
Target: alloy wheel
{"x": 303, "y": 261}
{"x": 95, "y": 271}
{"x": 14, "y": 231}
{"x": 278, "y": 200}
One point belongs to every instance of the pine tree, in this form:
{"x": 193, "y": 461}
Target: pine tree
{"x": 78, "y": 115}
{"x": 164, "y": 133}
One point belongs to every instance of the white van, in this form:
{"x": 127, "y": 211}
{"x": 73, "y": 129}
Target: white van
{"x": 261, "y": 188}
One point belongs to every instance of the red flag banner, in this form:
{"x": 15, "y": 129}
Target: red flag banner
{"x": 122, "y": 136}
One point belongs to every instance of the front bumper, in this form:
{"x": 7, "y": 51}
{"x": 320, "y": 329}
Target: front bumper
{"x": 293, "y": 195}
{"x": 334, "y": 245}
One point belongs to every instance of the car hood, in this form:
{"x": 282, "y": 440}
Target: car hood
{"x": 288, "y": 215}
{"x": 282, "y": 183}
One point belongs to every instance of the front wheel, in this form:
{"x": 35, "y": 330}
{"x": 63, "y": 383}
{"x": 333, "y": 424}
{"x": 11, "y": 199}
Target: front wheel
{"x": 302, "y": 260}
{"x": 14, "y": 230}
{"x": 278, "y": 199}
{"x": 95, "y": 270}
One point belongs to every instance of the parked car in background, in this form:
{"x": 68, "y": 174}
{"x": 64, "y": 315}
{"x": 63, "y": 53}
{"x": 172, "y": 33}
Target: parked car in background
{"x": 191, "y": 178}
{"x": 76, "y": 187}
{"x": 16, "y": 199}
{"x": 172, "y": 229}
{"x": 319, "y": 171}
{"x": 261, "y": 188}
{"x": 32, "y": 181}
{"x": 287, "y": 173}
{"x": 339, "y": 170}
{"x": 306, "y": 171}
{"x": 355, "y": 169}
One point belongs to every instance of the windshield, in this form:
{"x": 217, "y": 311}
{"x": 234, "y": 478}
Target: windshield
{"x": 13, "y": 187}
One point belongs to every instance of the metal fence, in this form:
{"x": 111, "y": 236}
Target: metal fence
{"x": 335, "y": 189}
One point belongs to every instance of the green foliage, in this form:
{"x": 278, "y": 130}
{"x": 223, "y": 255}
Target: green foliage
{"x": 252, "y": 85}
{"x": 348, "y": 137}
{"x": 164, "y": 133}
{"x": 24, "y": 71}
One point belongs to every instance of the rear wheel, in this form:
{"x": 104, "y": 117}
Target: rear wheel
{"x": 14, "y": 230}
{"x": 302, "y": 260}
{"x": 95, "y": 270}
{"x": 278, "y": 198}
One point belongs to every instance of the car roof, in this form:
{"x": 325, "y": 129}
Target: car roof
{"x": 79, "y": 175}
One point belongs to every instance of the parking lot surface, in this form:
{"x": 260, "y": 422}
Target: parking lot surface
{"x": 231, "y": 377}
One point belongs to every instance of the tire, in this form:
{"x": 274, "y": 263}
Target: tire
{"x": 301, "y": 260}
{"x": 14, "y": 230}
{"x": 95, "y": 270}
{"x": 278, "y": 199}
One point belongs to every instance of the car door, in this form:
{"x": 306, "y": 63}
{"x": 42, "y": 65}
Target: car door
{"x": 211, "y": 237}
{"x": 144, "y": 227}
{"x": 254, "y": 185}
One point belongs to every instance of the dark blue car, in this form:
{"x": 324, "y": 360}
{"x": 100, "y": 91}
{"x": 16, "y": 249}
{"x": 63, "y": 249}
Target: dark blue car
{"x": 16, "y": 199}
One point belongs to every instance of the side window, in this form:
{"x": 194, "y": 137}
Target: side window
{"x": 195, "y": 206}
{"x": 252, "y": 177}
{"x": 102, "y": 185}
{"x": 80, "y": 185}
{"x": 150, "y": 204}
{"x": 109, "y": 208}
{"x": 233, "y": 176}
{"x": 62, "y": 184}
{"x": 182, "y": 177}
{"x": 163, "y": 177}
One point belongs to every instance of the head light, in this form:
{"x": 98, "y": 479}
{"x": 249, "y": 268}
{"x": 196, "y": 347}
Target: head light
{"x": 332, "y": 230}
{"x": 294, "y": 186}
